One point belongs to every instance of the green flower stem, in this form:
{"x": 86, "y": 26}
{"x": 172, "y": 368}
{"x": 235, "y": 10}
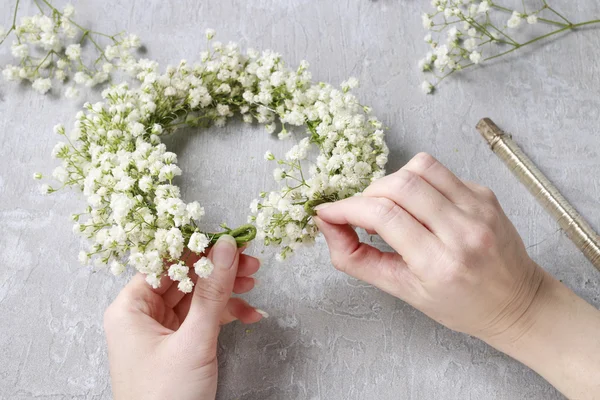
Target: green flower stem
{"x": 14, "y": 23}
{"x": 242, "y": 235}
{"x": 310, "y": 205}
{"x": 573, "y": 26}
{"x": 546, "y": 5}
{"x": 548, "y": 21}
{"x": 517, "y": 46}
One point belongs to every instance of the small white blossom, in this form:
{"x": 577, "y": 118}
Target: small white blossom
{"x": 20, "y": 51}
{"x": 198, "y": 242}
{"x": 185, "y": 285}
{"x": 278, "y": 174}
{"x": 426, "y": 87}
{"x": 73, "y": 51}
{"x": 427, "y": 21}
{"x": 203, "y": 267}
{"x": 515, "y": 20}
{"x": 532, "y": 19}
{"x": 83, "y": 257}
{"x": 42, "y": 85}
{"x": 483, "y": 7}
{"x": 178, "y": 272}
{"x": 117, "y": 268}
{"x": 475, "y": 57}
{"x": 69, "y": 11}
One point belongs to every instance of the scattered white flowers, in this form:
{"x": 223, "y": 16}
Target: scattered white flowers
{"x": 135, "y": 215}
{"x": 48, "y": 48}
{"x": 464, "y": 33}
{"x": 515, "y": 20}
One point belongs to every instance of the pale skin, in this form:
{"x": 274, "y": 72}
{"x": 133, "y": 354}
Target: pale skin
{"x": 457, "y": 258}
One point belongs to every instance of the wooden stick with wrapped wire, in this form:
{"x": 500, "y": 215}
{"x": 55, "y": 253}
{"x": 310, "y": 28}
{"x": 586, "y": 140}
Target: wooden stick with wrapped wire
{"x": 576, "y": 228}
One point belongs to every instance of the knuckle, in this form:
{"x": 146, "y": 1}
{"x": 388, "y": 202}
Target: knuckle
{"x": 386, "y": 210}
{"x": 210, "y": 289}
{"x": 489, "y": 216}
{"x": 488, "y": 194}
{"x": 422, "y": 162}
{"x": 481, "y": 237}
{"x": 338, "y": 262}
{"x": 455, "y": 272}
{"x": 404, "y": 180}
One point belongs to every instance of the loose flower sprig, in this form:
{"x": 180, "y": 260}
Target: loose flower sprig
{"x": 49, "y": 49}
{"x": 465, "y": 33}
{"x": 135, "y": 214}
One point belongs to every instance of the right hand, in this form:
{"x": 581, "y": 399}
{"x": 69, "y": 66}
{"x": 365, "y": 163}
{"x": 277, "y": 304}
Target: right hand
{"x": 458, "y": 258}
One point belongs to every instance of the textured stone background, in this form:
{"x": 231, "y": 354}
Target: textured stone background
{"x": 329, "y": 337}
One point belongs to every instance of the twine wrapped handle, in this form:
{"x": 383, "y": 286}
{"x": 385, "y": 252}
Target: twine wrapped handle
{"x": 576, "y": 228}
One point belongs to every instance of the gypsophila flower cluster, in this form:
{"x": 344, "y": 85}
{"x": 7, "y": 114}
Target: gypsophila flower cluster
{"x": 465, "y": 33}
{"x": 135, "y": 214}
{"x": 49, "y": 51}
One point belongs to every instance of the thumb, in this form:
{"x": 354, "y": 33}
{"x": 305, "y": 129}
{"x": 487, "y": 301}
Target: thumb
{"x": 387, "y": 271}
{"x": 212, "y": 293}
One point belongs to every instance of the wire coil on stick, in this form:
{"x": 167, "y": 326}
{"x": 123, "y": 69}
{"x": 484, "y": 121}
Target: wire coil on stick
{"x": 576, "y": 228}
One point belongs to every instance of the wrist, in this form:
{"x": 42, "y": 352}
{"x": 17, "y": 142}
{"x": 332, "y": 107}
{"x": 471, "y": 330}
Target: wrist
{"x": 558, "y": 338}
{"x": 534, "y": 313}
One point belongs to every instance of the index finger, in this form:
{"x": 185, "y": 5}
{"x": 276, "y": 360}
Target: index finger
{"x": 396, "y": 226}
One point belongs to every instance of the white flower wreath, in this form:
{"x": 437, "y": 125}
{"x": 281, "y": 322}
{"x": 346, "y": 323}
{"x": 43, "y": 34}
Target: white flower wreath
{"x": 135, "y": 214}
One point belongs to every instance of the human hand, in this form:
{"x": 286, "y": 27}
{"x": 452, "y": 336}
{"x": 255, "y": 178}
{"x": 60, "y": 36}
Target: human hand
{"x": 458, "y": 258}
{"x": 162, "y": 343}
{"x": 460, "y": 261}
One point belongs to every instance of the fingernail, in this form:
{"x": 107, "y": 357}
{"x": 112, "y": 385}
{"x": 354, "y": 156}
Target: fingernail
{"x": 224, "y": 252}
{"x": 322, "y": 206}
{"x": 261, "y": 312}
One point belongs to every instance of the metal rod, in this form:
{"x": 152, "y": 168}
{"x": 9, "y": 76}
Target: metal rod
{"x": 576, "y": 228}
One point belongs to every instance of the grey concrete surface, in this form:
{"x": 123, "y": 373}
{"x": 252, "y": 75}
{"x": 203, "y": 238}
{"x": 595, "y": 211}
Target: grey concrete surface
{"x": 329, "y": 336}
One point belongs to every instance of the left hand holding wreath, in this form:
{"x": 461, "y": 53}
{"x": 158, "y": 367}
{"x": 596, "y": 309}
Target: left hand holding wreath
{"x": 162, "y": 343}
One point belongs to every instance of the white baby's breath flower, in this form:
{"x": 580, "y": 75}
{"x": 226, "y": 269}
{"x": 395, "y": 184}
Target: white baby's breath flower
{"x": 278, "y": 174}
{"x": 426, "y": 87}
{"x": 83, "y": 257}
{"x": 203, "y": 267}
{"x": 185, "y": 285}
{"x": 470, "y": 44}
{"x": 198, "y": 242}
{"x": 484, "y": 7}
{"x": 69, "y": 11}
{"x": 73, "y": 51}
{"x": 42, "y": 85}
{"x": 178, "y": 272}
{"x": 427, "y": 21}
{"x": 475, "y": 57}
{"x": 117, "y": 268}
{"x": 20, "y": 51}
{"x": 11, "y": 73}
{"x": 135, "y": 211}
{"x": 210, "y": 33}
{"x": 515, "y": 20}
{"x": 532, "y": 19}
